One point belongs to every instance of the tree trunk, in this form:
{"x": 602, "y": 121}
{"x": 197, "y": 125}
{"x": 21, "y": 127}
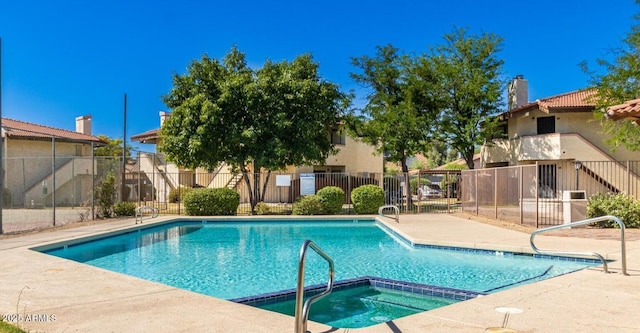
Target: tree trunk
{"x": 407, "y": 184}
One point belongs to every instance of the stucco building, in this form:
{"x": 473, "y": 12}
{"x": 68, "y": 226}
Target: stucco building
{"x": 354, "y": 158}
{"x": 33, "y": 154}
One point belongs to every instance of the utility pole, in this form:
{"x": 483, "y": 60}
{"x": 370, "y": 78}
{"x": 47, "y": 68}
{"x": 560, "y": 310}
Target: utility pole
{"x": 124, "y": 151}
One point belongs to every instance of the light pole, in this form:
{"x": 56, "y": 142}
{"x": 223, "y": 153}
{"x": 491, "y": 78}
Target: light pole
{"x": 578, "y": 165}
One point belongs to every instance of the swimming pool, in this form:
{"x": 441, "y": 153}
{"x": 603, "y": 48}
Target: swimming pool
{"x": 238, "y": 259}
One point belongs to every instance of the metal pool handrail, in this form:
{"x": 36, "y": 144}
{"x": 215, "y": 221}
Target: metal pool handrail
{"x": 146, "y": 209}
{"x": 395, "y": 209}
{"x": 302, "y": 312}
{"x": 593, "y": 254}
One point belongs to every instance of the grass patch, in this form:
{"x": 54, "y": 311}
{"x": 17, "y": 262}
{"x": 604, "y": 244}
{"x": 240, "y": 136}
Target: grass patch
{"x": 8, "y": 328}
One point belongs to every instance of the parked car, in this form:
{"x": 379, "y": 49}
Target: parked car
{"x": 431, "y": 191}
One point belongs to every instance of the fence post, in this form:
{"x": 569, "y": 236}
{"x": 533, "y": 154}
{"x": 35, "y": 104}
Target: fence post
{"x": 476, "y": 190}
{"x": 521, "y": 194}
{"x": 495, "y": 191}
{"x": 93, "y": 183}
{"x": 628, "y": 178}
{"x": 448, "y": 188}
{"x": 53, "y": 178}
{"x": 536, "y": 176}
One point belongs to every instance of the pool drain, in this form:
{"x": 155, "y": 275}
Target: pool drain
{"x": 507, "y": 313}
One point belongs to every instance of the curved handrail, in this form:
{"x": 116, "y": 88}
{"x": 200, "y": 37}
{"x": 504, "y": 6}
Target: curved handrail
{"x": 593, "y": 254}
{"x": 395, "y": 209}
{"x": 140, "y": 211}
{"x": 302, "y": 312}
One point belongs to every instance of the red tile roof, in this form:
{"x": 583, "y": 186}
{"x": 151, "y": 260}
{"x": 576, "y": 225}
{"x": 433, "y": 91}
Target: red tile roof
{"x": 579, "y": 100}
{"x": 147, "y": 137}
{"x": 21, "y": 129}
{"x": 629, "y": 109}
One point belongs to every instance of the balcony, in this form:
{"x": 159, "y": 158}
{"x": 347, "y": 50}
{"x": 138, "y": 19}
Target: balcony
{"x": 545, "y": 147}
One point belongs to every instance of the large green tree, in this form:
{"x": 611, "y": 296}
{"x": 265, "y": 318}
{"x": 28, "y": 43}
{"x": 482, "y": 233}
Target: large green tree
{"x": 110, "y": 155}
{"x": 113, "y": 148}
{"x": 465, "y": 76}
{"x": 618, "y": 82}
{"x": 395, "y": 118}
{"x": 254, "y": 120}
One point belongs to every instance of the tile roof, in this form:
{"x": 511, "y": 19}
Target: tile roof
{"x": 20, "y": 129}
{"x": 579, "y": 100}
{"x": 147, "y": 137}
{"x": 629, "y": 109}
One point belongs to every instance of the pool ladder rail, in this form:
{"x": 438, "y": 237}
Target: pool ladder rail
{"x": 142, "y": 210}
{"x": 396, "y": 211}
{"x": 623, "y": 251}
{"x": 302, "y": 311}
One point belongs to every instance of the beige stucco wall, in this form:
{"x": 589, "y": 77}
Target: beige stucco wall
{"x": 37, "y": 148}
{"x": 28, "y": 165}
{"x": 578, "y": 137}
{"x": 354, "y": 156}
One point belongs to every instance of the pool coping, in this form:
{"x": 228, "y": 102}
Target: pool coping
{"x": 129, "y": 304}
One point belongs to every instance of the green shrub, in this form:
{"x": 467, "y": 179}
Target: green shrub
{"x": 178, "y": 193}
{"x": 332, "y": 198}
{"x": 622, "y": 206}
{"x": 105, "y": 195}
{"x": 124, "y": 208}
{"x": 211, "y": 201}
{"x": 308, "y": 205}
{"x": 262, "y": 209}
{"x": 367, "y": 199}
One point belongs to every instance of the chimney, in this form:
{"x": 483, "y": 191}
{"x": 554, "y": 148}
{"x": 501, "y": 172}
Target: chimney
{"x": 518, "y": 92}
{"x": 83, "y": 124}
{"x": 163, "y": 116}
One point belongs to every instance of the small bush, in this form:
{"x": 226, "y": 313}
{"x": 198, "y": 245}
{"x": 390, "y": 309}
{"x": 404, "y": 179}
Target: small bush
{"x": 211, "y": 201}
{"x": 124, "y": 208}
{"x": 105, "y": 195}
{"x": 332, "y": 198}
{"x": 262, "y": 209}
{"x": 622, "y": 206}
{"x": 176, "y": 194}
{"x": 308, "y": 205}
{"x": 367, "y": 199}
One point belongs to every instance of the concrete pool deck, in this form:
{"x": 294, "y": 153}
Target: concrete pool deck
{"x": 57, "y": 295}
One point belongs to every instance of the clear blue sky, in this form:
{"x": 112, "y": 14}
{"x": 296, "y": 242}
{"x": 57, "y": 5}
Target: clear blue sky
{"x": 62, "y": 59}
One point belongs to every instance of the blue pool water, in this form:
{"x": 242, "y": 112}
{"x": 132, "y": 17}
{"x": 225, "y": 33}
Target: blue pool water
{"x": 237, "y": 259}
{"x": 363, "y": 306}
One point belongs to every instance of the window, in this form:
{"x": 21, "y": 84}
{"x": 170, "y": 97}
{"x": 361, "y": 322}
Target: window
{"x": 337, "y": 137}
{"x": 546, "y": 125}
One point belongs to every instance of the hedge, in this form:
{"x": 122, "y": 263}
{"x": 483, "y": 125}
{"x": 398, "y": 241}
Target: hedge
{"x": 332, "y": 198}
{"x": 367, "y": 199}
{"x": 211, "y": 201}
